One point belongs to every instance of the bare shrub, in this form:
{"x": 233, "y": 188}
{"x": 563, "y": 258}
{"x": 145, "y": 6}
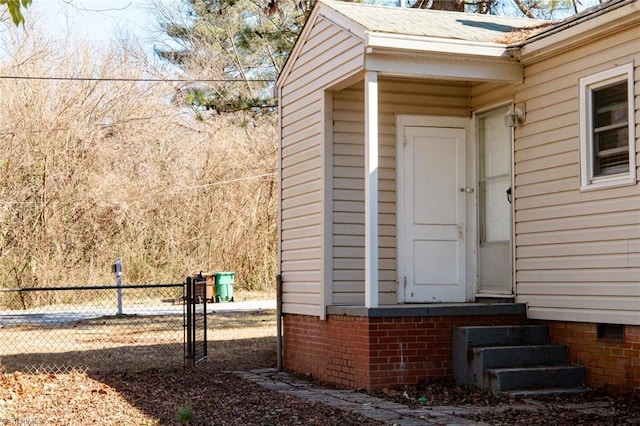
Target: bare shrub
{"x": 98, "y": 169}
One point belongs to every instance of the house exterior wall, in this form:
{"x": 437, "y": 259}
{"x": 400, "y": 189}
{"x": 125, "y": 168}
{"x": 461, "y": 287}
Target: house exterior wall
{"x": 395, "y": 97}
{"x": 577, "y": 253}
{"x": 328, "y": 54}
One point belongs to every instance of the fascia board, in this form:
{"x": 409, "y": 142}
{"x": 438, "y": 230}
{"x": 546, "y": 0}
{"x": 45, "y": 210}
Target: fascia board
{"x": 445, "y": 68}
{"x": 580, "y": 33}
{"x": 401, "y": 55}
{"x": 379, "y": 42}
{"x": 343, "y": 22}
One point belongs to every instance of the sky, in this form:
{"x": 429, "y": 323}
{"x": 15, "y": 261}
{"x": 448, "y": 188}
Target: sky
{"x": 99, "y": 21}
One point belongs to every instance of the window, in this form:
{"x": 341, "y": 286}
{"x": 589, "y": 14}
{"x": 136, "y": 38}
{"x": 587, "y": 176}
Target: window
{"x": 494, "y": 177}
{"x": 607, "y": 140}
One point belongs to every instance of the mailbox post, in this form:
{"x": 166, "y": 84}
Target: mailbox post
{"x": 117, "y": 271}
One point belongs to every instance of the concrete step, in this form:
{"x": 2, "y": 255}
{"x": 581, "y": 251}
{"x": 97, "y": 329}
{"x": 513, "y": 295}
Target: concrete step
{"x": 506, "y": 335}
{"x": 518, "y": 356}
{"x": 480, "y": 359}
{"x": 531, "y": 378}
{"x": 549, "y": 392}
{"x": 466, "y": 370}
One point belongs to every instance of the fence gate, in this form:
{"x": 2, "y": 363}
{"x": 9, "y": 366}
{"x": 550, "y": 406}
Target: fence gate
{"x": 195, "y": 321}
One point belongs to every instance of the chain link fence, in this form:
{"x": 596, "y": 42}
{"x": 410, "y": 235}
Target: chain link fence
{"x": 102, "y": 328}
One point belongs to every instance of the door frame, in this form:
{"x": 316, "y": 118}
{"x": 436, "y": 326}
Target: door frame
{"x": 476, "y": 219}
{"x": 465, "y": 123}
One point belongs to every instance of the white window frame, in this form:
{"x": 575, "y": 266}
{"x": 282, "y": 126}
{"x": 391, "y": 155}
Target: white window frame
{"x": 587, "y": 85}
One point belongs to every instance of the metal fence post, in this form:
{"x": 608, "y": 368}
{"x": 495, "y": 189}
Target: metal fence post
{"x": 117, "y": 270}
{"x": 189, "y": 328}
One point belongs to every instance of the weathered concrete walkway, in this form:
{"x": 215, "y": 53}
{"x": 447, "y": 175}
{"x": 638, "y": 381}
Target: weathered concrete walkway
{"x": 393, "y": 413}
{"x": 388, "y": 412}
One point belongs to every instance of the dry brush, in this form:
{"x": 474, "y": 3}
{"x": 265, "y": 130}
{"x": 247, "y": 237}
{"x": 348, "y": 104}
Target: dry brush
{"x": 91, "y": 170}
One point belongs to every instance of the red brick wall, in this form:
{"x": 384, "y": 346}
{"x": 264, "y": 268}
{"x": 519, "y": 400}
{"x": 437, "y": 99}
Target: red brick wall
{"x": 374, "y": 353}
{"x": 615, "y": 365}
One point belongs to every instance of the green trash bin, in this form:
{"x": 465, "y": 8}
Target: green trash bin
{"x": 224, "y": 286}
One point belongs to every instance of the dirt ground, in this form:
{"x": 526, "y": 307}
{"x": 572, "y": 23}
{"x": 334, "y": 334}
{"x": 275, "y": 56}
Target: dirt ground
{"x": 207, "y": 395}
{"x": 593, "y": 408}
{"x": 211, "y": 395}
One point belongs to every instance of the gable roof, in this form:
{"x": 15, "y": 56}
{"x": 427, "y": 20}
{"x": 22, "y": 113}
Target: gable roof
{"x": 451, "y": 39}
{"x": 430, "y": 23}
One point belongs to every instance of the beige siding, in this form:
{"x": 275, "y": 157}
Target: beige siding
{"x": 577, "y": 253}
{"x": 328, "y": 55}
{"x": 396, "y": 97}
{"x": 490, "y": 95}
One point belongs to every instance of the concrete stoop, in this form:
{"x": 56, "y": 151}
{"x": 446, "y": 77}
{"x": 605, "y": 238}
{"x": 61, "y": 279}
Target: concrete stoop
{"x": 517, "y": 359}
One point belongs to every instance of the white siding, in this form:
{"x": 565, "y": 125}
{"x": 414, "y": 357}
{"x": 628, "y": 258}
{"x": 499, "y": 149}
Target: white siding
{"x": 578, "y": 253}
{"x": 395, "y": 97}
{"x": 328, "y": 55}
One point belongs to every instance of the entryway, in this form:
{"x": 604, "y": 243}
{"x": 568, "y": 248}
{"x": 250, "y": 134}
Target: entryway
{"x": 494, "y": 148}
{"x": 454, "y": 211}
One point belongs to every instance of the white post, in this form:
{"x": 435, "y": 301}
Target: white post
{"x": 371, "y": 190}
{"x": 117, "y": 270}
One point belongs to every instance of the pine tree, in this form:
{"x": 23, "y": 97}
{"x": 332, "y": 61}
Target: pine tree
{"x": 242, "y": 43}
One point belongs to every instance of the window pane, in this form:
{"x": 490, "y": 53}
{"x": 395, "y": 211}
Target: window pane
{"x": 496, "y": 220}
{"x": 495, "y": 146}
{"x": 610, "y": 130}
{"x": 611, "y": 151}
{"x": 612, "y": 138}
{"x": 610, "y": 105}
{"x": 494, "y": 177}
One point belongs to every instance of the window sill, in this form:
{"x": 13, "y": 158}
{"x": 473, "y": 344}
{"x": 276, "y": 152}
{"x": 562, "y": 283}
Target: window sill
{"x": 608, "y": 182}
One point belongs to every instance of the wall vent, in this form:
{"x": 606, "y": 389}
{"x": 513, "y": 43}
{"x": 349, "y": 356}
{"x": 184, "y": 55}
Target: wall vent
{"x": 611, "y": 332}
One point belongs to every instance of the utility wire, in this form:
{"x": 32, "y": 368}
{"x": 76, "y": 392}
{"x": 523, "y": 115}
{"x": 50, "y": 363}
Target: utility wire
{"x": 142, "y": 80}
{"x": 64, "y": 129}
{"x": 228, "y": 181}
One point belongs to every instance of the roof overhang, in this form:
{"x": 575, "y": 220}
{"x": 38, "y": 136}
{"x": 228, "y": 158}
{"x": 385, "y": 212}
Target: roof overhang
{"x": 413, "y": 56}
{"x": 401, "y": 55}
{"x": 580, "y": 30}
{"x": 443, "y": 59}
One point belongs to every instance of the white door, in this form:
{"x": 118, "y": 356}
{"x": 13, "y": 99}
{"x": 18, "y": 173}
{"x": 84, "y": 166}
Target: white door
{"x": 432, "y": 256}
{"x": 494, "y": 204}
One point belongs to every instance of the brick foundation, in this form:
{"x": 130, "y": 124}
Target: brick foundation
{"x": 375, "y": 353}
{"x": 611, "y": 364}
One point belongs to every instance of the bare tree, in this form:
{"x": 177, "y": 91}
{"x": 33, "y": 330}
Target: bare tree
{"x": 103, "y": 167}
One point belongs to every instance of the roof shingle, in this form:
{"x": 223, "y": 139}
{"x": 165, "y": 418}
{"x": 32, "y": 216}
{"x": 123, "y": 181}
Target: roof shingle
{"x": 431, "y": 23}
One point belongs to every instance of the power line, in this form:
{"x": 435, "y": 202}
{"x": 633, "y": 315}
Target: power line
{"x": 64, "y": 129}
{"x": 142, "y": 80}
{"x": 228, "y": 181}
